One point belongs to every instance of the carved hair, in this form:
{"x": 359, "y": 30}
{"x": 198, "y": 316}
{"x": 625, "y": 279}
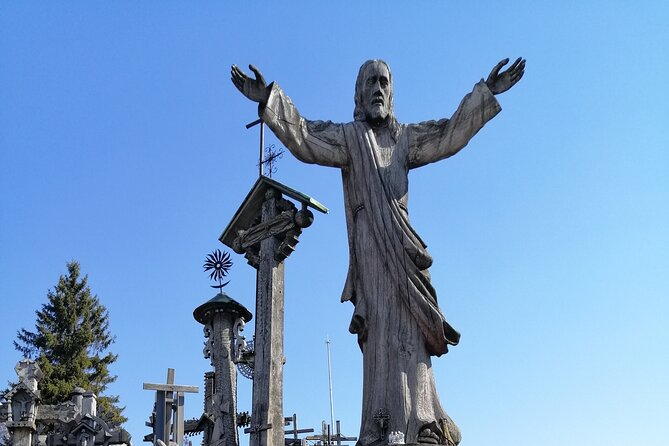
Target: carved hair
{"x": 359, "y": 111}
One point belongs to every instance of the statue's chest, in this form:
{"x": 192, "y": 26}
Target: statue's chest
{"x": 391, "y": 162}
{"x": 386, "y": 150}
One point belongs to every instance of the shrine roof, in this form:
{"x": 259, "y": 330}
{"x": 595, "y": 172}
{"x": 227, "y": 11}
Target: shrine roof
{"x": 221, "y": 301}
{"x": 21, "y": 386}
{"x": 252, "y": 205}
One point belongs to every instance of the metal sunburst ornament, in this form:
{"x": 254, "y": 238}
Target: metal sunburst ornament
{"x": 219, "y": 263}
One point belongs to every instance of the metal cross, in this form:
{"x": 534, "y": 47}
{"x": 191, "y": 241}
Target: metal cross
{"x": 271, "y": 156}
{"x": 268, "y": 155}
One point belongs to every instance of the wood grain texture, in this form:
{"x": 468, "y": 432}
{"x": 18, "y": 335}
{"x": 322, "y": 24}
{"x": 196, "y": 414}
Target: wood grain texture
{"x": 396, "y": 318}
{"x": 267, "y": 400}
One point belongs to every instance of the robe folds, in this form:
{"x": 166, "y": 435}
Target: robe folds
{"x": 396, "y": 318}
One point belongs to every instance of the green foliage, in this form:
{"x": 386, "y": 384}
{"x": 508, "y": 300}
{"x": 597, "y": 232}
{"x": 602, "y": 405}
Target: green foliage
{"x": 69, "y": 342}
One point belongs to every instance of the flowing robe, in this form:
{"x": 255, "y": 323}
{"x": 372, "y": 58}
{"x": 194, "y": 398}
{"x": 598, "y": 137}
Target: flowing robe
{"x": 396, "y": 317}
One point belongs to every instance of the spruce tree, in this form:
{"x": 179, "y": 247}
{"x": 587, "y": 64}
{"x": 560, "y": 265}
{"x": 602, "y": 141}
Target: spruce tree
{"x": 69, "y": 342}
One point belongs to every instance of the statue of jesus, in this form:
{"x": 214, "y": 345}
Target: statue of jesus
{"x": 397, "y": 319}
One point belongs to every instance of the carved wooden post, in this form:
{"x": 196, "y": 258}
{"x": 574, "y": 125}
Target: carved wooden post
{"x": 266, "y": 229}
{"x": 219, "y": 316}
{"x": 267, "y": 409}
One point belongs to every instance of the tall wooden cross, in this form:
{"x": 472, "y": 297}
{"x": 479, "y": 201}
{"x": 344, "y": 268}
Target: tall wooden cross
{"x": 265, "y": 229}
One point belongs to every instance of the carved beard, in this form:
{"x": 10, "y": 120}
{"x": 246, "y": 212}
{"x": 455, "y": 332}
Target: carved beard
{"x": 376, "y": 119}
{"x": 377, "y": 115}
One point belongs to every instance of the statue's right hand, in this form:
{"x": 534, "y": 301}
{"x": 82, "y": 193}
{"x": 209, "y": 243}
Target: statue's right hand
{"x": 254, "y": 89}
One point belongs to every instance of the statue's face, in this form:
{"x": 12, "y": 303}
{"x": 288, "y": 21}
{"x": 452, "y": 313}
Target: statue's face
{"x": 376, "y": 90}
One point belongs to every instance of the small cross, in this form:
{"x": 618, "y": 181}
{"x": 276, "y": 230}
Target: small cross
{"x": 257, "y": 428}
{"x": 382, "y": 418}
{"x": 271, "y": 157}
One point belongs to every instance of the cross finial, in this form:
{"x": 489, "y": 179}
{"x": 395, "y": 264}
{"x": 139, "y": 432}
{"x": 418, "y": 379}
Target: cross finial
{"x": 271, "y": 157}
{"x": 268, "y": 155}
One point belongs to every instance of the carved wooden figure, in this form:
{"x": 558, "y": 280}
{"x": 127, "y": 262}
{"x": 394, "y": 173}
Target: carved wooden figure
{"x": 396, "y": 318}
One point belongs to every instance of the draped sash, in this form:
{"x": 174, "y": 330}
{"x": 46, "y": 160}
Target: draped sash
{"x": 404, "y": 255}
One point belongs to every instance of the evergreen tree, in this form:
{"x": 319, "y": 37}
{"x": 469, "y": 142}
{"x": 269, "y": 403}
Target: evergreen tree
{"x": 69, "y": 342}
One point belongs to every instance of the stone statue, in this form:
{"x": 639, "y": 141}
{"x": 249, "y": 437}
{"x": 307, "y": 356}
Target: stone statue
{"x": 396, "y": 318}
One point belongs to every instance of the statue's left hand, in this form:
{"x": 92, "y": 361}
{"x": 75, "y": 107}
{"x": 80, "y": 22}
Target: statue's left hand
{"x": 254, "y": 89}
{"x": 500, "y": 82}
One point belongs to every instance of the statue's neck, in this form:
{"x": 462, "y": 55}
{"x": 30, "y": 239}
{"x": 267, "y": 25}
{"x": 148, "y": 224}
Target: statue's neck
{"x": 379, "y": 123}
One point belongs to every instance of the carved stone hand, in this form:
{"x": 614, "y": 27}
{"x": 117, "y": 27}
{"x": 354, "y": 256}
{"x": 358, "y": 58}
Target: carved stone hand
{"x": 500, "y": 82}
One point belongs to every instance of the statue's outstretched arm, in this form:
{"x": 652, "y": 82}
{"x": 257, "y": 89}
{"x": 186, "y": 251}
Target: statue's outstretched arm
{"x": 435, "y": 140}
{"x": 432, "y": 141}
{"x": 315, "y": 142}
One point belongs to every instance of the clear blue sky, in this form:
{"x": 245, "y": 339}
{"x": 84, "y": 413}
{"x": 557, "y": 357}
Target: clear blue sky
{"x": 122, "y": 145}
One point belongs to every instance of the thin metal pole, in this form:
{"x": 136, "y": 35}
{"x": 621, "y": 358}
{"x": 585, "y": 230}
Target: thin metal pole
{"x": 262, "y": 142}
{"x": 262, "y": 145}
{"x": 327, "y": 344}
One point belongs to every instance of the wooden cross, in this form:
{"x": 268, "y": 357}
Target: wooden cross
{"x": 326, "y": 438}
{"x": 266, "y": 229}
{"x": 295, "y": 440}
{"x": 257, "y": 428}
{"x": 169, "y": 402}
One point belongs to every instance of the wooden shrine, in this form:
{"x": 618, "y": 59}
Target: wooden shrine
{"x": 265, "y": 229}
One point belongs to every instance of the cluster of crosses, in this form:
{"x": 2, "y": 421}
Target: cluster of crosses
{"x": 265, "y": 229}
